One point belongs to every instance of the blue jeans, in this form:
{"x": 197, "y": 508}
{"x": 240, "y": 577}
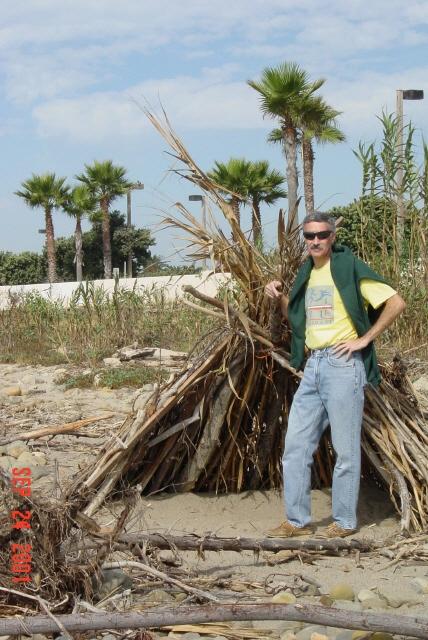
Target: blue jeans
{"x": 331, "y": 392}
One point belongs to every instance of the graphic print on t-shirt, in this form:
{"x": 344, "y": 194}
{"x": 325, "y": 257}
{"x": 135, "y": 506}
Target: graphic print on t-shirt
{"x": 319, "y": 305}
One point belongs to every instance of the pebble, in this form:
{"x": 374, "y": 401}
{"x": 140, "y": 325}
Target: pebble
{"x": 365, "y": 594}
{"x": 348, "y": 605}
{"x": 170, "y": 558}
{"x": 158, "y": 596}
{"x": 7, "y": 462}
{"x": 344, "y": 634}
{"x": 16, "y": 448}
{"x": 319, "y": 636}
{"x": 374, "y": 603}
{"x": 284, "y": 597}
{"x": 12, "y": 391}
{"x": 277, "y": 626}
{"x": 112, "y": 362}
{"x": 190, "y": 635}
{"x": 420, "y": 585}
{"x": 342, "y": 591}
{"x": 307, "y": 632}
{"x": 39, "y": 457}
{"x": 111, "y": 580}
{"x": 26, "y": 459}
{"x": 287, "y": 635}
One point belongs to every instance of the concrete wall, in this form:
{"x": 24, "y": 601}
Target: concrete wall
{"x": 171, "y": 286}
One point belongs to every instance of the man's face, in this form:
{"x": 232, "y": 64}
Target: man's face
{"x": 318, "y": 247}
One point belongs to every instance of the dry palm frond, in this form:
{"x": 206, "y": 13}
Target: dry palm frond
{"x": 219, "y": 425}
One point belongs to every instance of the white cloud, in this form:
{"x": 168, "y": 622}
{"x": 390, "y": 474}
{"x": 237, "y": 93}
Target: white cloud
{"x": 208, "y": 102}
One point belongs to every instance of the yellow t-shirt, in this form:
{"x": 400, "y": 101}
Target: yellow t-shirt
{"x": 327, "y": 321}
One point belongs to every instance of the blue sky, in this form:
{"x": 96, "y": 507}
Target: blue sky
{"x": 72, "y": 74}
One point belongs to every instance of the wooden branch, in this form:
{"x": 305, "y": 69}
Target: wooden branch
{"x": 414, "y": 626}
{"x": 212, "y": 543}
{"x": 68, "y": 427}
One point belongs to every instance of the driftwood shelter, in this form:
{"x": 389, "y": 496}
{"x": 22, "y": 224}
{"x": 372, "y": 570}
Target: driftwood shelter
{"x": 219, "y": 424}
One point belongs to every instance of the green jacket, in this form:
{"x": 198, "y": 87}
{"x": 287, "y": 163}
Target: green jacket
{"x": 347, "y": 271}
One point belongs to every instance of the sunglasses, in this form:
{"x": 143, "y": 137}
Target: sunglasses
{"x": 321, "y": 235}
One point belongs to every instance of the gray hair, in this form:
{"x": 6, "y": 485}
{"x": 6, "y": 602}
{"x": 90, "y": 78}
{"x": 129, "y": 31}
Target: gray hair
{"x": 320, "y": 216}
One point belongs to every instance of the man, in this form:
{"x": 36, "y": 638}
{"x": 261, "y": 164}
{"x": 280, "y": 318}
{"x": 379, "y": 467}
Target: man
{"x": 330, "y": 311}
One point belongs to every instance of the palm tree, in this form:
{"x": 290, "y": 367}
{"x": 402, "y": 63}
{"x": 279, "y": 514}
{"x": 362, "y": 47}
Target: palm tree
{"x": 232, "y": 178}
{"x": 264, "y": 185}
{"x": 105, "y": 182}
{"x": 322, "y": 129}
{"x": 49, "y": 192}
{"x": 80, "y": 204}
{"x": 318, "y": 122}
{"x": 285, "y": 91}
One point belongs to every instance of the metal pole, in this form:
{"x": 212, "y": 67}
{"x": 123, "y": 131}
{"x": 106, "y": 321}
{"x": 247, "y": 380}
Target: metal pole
{"x": 128, "y": 224}
{"x": 400, "y": 173}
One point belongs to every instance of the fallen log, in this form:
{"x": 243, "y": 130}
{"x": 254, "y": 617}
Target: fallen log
{"x": 415, "y": 626}
{"x": 212, "y": 543}
{"x": 68, "y": 427}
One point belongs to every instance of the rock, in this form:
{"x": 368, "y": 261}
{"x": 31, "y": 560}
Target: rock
{"x": 277, "y": 626}
{"x": 319, "y": 636}
{"x": 344, "y": 634}
{"x": 112, "y": 362}
{"x": 421, "y": 384}
{"x": 7, "y": 462}
{"x": 16, "y": 448}
{"x": 58, "y": 375}
{"x": 307, "y": 632}
{"x": 168, "y": 557}
{"x": 287, "y": 635}
{"x": 365, "y": 594}
{"x": 191, "y": 636}
{"x": 311, "y": 590}
{"x": 420, "y": 585}
{"x": 25, "y": 459}
{"x": 159, "y": 596}
{"x": 381, "y": 635}
{"x": 374, "y": 603}
{"x": 284, "y": 597}
{"x": 12, "y": 391}
{"x": 39, "y": 472}
{"x": 39, "y": 457}
{"x": 342, "y": 591}
{"x": 326, "y": 601}
{"x": 356, "y": 635}
{"x": 181, "y": 596}
{"x": 112, "y": 580}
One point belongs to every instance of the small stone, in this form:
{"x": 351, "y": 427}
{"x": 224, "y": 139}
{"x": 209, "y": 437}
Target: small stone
{"x": 276, "y": 626}
{"x": 342, "y": 591}
{"x": 112, "y": 362}
{"x": 284, "y": 597}
{"x": 319, "y": 636}
{"x": 312, "y": 590}
{"x": 181, "y": 596}
{"x": 25, "y": 459}
{"x": 365, "y": 594}
{"x": 191, "y": 636}
{"x": 159, "y": 596}
{"x": 420, "y": 585}
{"x": 344, "y": 634}
{"x": 7, "y": 462}
{"x": 40, "y": 458}
{"x": 111, "y": 581}
{"x": 374, "y": 603}
{"x": 16, "y": 448}
{"x": 170, "y": 558}
{"x": 307, "y": 632}
{"x": 288, "y": 635}
{"x": 326, "y": 601}
{"x": 12, "y": 391}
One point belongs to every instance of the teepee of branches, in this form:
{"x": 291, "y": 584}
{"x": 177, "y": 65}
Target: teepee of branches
{"x": 219, "y": 424}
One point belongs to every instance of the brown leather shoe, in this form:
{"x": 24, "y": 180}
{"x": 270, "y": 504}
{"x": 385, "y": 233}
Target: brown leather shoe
{"x": 288, "y": 530}
{"x": 334, "y": 530}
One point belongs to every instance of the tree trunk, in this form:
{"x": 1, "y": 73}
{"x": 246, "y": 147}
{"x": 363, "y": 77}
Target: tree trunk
{"x": 308, "y": 174}
{"x": 256, "y": 222}
{"x": 106, "y": 238}
{"x": 79, "y": 250}
{"x": 50, "y": 245}
{"x": 290, "y": 148}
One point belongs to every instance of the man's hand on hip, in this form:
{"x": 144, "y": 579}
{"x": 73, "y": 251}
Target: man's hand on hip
{"x": 347, "y": 348}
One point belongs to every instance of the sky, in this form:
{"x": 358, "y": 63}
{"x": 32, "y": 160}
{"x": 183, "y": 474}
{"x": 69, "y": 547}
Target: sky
{"x": 75, "y": 75}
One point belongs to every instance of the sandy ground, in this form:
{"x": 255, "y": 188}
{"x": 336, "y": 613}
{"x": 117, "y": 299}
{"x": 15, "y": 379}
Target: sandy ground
{"x": 249, "y": 514}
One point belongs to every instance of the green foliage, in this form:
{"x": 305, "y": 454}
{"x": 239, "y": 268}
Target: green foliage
{"x": 104, "y": 180}
{"x": 130, "y": 376}
{"x": 123, "y": 239}
{"x": 45, "y": 191}
{"x": 22, "y": 268}
{"x": 94, "y": 325}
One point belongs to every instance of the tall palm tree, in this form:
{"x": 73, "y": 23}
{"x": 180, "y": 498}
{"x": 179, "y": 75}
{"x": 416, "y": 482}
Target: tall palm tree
{"x": 233, "y": 178}
{"x": 105, "y": 182}
{"x": 48, "y": 192}
{"x": 323, "y": 130}
{"x": 318, "y": 122}
{"x": 264, "y": 185}
{"x": 285, "y": 91}
{"x": 81, "y": 203}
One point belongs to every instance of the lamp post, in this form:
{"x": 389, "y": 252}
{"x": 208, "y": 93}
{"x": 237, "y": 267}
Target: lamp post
{"x": 402, "y": 94}
{"x": 203, "y": 200}
{"x": 136, "y": 186}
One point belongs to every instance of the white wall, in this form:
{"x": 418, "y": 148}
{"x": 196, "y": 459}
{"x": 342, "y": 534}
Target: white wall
{"x": 172, "y": 286}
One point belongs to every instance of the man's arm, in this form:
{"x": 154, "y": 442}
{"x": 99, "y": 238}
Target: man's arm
{"x": 393, "y": 307}
{"x": 273, "y": 291}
